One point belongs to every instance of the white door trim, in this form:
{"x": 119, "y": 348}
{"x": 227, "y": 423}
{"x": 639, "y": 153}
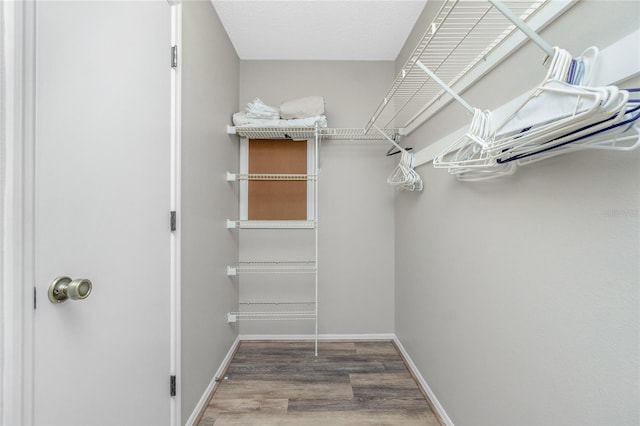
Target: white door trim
{"x": 176, "y": 185}
{"x": 16, "y": 343}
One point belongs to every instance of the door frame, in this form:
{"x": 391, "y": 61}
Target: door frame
{"x": 17, "y": 281}
{"x": 176, "y": 205}
{"x": 16, "y": 343}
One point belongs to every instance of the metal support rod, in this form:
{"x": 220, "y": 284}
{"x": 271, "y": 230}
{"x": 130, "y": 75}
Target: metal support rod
{"x": 533, "y": 36}
{"x": 444, "y": 85}
{"x": 316, "y": 164}
{"x": 388, "y": 138}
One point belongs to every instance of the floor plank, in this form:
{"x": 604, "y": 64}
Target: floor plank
{"x": 353, "y": 418}
{"x": 348, "y": 383}
{"x": 283, "y": 388}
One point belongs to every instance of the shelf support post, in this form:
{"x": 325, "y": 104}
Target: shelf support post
{"x": 444, "y": 85}
{"x": 533, "y": 36}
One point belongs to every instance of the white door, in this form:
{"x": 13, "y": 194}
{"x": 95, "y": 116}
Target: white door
{"x": 102, "y": 211}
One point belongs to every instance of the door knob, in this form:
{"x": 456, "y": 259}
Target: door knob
{"x": 63, "y": 288}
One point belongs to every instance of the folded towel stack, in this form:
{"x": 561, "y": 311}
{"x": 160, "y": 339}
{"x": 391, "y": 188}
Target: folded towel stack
{"x": 311, "y": 106}
{"x": 260, "y": 110}
{"x": 303, "y": 112}
{"x": 241, "y": 119}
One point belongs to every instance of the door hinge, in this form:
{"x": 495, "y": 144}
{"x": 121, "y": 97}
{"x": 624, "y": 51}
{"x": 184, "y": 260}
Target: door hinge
{"x": 174, "y": 56}
{"x": 172, "y": 385}
{"x": 172, "y": 221}
{"x": 35, "y": 299}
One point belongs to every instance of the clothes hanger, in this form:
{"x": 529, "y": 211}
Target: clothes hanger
{"x": 605, "y": 134}
{"x": 611, "y": 113}
{"x": 403, "y": 175}
{"x": 580, "y": 69}
{"x": 599, "y": 133}
{"x": 554, "y": 109}
{"x": 466, "y": 158}
{"x": 618, "y": 133}
{"x": 567, "y": 116}
{"x": 628, "y": 141}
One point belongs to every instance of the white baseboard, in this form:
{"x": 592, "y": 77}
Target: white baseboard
{"x": 207, "y": 393}
{"x": 378, "y": 336}
{"x": 440, "y": 412}
{"x": 444, "y": 417}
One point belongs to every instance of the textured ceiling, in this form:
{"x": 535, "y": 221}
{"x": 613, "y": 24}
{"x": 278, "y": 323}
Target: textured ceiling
{"x": 352, "y": 30}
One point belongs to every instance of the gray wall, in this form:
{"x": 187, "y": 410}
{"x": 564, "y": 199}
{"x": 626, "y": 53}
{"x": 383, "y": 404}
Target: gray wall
{"x": 518, "y": 298}
{"x": 209, "y": 96}
{"x": 356, "y": 260}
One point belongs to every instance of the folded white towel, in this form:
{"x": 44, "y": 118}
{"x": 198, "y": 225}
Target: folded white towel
{"x": 240, "y": 119}
{"x": 258, "y": 109}
{"x": 311, "y": 106}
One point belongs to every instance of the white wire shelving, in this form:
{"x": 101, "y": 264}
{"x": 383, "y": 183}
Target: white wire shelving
{"x": 288, "y": 307}
{"x": 278, "y": 267}
{"x": 271, "y": 224}
{"x": 460, "y": 37}
{"x": 324, "y": 133}
{"x": 276, "y": 311}
{"x": 231, "y": 177}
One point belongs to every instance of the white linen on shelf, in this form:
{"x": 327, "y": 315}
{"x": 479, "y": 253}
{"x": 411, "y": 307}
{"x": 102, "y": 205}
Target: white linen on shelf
{"x": 260, "y": 110}
{"x": 241, "y": 119}
{"x": 310, "y": 106}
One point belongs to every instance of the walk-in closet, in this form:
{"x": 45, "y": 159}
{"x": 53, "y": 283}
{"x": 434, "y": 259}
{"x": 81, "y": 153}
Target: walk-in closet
{"x": 438, "y": 227}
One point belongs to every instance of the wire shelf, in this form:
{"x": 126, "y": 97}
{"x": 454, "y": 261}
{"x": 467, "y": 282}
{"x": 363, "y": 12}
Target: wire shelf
{"x": 249, "y": 132}
{"x": 271, "y": 224}
{"x": 342, "y": 134}
{"x": 274, "y": 311}
{"x": 270, "y": 177}
{"x": 289, "y": 267}
{"x": 461, "y": 36}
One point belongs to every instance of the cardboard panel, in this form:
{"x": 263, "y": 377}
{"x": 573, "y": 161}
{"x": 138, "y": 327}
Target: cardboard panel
{"x": 277, "y": 200}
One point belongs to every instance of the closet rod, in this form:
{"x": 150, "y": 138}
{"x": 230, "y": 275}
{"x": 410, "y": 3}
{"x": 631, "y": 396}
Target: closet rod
{"x": 522, "y": 26}
{"x": 445, "y": 86}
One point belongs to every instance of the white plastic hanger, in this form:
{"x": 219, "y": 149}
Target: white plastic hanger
{"x": 466, "y": 158}
{"x": 561, "y": 115}
{"x": 594, "y": 109}
{"x": 403, "y": 175}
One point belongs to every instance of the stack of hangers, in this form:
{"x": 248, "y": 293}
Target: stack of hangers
{"x": 563, "y": 114}
{"x": 404, "y": 176}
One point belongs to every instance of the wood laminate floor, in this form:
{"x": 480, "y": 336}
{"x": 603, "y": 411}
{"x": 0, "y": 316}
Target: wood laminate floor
{"x": 348, "y": 383}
